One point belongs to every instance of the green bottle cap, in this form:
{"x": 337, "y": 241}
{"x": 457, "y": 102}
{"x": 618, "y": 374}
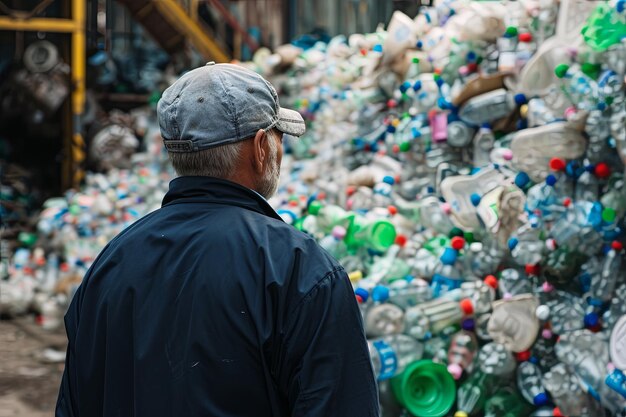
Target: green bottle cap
{"x": 27, "y": 239}
{"x": 591, "y": 70}
{"x": 425, "y": 389}
{"x": 455, "y": 231}
{"x": 511, "y": 31}
{"x": 561, "y": 70}
{"x": 469, "y": 237}
{"x": 405, "y": 146}
{"x": 383, "y": 235}
{"x": 416, "y": 60}
{"x": 608, "y": 215}
{"x": 315, "y": 207}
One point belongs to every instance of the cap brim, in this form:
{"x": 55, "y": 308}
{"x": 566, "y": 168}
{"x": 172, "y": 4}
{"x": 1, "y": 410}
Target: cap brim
{"x": 290, "y": 122}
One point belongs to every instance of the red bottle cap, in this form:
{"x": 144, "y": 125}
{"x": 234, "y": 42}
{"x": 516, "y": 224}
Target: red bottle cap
{"x": 602, "y": 170}
{"x": 457, "y": 242}
{"x": 557, "y": 164}
{"x": 491, "y": 281}
{"x": 525, "y": 37}
{"x": 401, "y": 240}
{"x": 522, "y": 356}
{"x": 467, "y": 306}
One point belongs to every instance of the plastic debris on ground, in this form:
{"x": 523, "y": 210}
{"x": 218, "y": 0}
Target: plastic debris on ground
{"x": 466, "y": 166}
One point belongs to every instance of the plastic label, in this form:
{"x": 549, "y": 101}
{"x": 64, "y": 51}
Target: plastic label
{"x": 388, "y": 360}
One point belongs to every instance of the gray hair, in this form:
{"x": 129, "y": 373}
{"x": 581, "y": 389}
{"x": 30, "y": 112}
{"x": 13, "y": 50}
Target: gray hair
{"x": 218, "y": 162}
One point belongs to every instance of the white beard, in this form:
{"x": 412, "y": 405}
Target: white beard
{"x": 269, "y": 182}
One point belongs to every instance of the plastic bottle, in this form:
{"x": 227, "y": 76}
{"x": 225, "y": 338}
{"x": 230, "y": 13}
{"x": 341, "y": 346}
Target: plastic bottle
{"x": 463, "y": 347}
{"x": 530, "y": 384}
{"x": 588, "y": 354}
{"x": 406, "y": 294}
{"x": 566, "y": 393}
{"x": 483, "y": 144}
{"x": 488, "y": 107}
{"x": 425, "y": 388}
{"x": 433, "y": 316}
{"x": 495, "y": 359}
{"x": 392, "y": 354}
{"x": 506, "y": 403}
{"x": 382, "y": 318}
{"x": 334, "y": 244}
{"x": 473, "y": 393}
{"x": 447, "y": 276}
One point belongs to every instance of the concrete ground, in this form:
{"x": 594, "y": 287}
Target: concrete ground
{"x": 31, "y": 364}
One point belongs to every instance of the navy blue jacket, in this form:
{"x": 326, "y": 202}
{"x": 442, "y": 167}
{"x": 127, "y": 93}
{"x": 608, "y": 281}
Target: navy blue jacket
{"x": 213, "y": 306}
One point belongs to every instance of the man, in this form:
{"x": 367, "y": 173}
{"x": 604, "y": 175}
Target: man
{"x": 212, "y": 305}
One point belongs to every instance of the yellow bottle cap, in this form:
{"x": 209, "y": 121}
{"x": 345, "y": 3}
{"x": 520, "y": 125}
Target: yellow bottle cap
{"x": 355, "y": 276}
{"x": 460, "y": 414}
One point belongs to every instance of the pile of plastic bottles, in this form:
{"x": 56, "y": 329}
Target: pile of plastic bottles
{"x": 45, "y": 272}
{"x": 466, "y": 168}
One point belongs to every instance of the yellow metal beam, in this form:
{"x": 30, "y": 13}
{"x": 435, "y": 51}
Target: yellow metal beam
{"x": 38, "y": 25}
{"x": 178, "y": 18}
{"x": 79, "y": 63}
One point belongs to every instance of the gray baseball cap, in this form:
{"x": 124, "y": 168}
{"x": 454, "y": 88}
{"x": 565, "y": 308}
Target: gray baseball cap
{"x": 219, "y": 104}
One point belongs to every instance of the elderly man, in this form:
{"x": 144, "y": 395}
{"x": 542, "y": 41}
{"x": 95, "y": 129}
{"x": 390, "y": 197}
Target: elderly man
{"x": 212, "y": 305}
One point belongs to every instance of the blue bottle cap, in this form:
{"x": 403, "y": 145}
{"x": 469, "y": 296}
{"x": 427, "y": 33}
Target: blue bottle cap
{"x": 389, "y": 180}
{"x": 391, "y": 129}
{"x": 475, "y": 199}
{"x": 363, "y": 293}
{"x": 439, "y": 82}
{"x": 551, "y": 180}
{"x": 591, "y": 319}
{"x": 380, "y": 293}
{"x": 419, "y": 44}
{"x": 540, "y": 399}
{"x": 468, "y": 324}
{"x": 602, "y": 106}
{"x": 522, "y": 179}
{"x": 377, "y": 48}
{"x": 405, "y": 86}
{"x": 590, "y": 168}
{"x": 417, "y": 86}
{"x": 620, "y": 6}
{"x": 513, "y": 243}
{"x": 449, "y": 256}
{"x": 520, "y": 99}
{"x": 415, "y": 132}
{"x": 471, "y": 56}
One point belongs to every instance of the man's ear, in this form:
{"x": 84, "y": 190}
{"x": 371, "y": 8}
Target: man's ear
{"x": 259, "y": 151}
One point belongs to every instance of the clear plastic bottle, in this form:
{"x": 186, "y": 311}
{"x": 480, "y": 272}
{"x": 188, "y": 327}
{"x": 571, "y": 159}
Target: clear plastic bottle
{"x": 530, "y": 384}
{"x": 433, "y": 316}
{"x": 567, "y": 394}
{"x": 391, "y": 354}
{"x": 483, "y": 144}
{"x": 495, "y": 359}
{"x": 463, "y": 347}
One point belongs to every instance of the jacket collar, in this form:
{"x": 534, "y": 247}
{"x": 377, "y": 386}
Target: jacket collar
{"x": 190, "y": 189}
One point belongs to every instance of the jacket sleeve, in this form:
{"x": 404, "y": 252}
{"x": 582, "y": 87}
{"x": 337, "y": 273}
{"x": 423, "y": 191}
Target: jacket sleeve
{"x": 325, "y": 367}
{"x": 67, "y": 391}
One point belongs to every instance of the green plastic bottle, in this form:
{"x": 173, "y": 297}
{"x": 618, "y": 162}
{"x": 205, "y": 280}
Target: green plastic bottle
{"x": 473, "y": 393}
{"x": 425, "y": 389}
{"x": 506, "y": 402}
{"x": 375, "y": 234}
